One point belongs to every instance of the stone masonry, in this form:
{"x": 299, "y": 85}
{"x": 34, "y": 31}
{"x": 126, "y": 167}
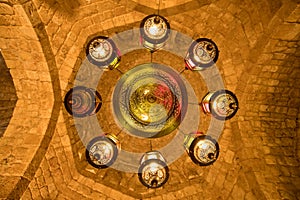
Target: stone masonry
{"x": 43, "y": 46}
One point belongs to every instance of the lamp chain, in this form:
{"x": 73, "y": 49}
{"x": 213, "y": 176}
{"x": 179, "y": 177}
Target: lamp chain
{"x": 120, "y": 132}
{"x": 182, "y": 71}
{"x": 159, "y": 2}
{"x": 151, "y": 58}
{"x": 119, "y": 70}
{"x": 150, "y": 145}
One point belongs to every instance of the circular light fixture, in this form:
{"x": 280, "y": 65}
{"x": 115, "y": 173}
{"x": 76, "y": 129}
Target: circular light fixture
{"x": 102, "y": 52}
{"x": 150, "y": 100}
{"x": 102, "y": 151}
{"x": 222, "y": 104}
{"x": 154, "y": 30}
{"x": 202, "y": 149}
{"x": 153, "y": 171}
{"x": 81, "y": 101}
{"x": 202, "y": 54}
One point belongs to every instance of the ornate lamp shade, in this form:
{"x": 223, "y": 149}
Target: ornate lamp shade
{"x": 202, "y": 54}
{"x": 81, "y": 101}
{"x": 202, "y": 149}
{"x": 102, "y": 52}
{"x": 102, "y": 151}
{"x": 153, "y": 171}
{"x": 154, "y": 30}
{"x": 150, "y": 100}
{"x": 222, "y": 104}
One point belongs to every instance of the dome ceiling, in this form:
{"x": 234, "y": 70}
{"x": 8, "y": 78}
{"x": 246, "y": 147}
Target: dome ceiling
{"x": 43, "y": 45}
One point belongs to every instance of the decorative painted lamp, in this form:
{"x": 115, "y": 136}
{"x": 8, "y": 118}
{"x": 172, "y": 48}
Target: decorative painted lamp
{"x": 153, "y": 171}
{"x": 81, "y": 101}
{"x": 150, "y": 100}
{"x": 202, "y": 149}
{"x": 222, "y": 104}
{"x": 155, "y": 31}
{"x": 102, "y": 52}
{"x": 102, "y": 151}
{"x": 202, "y": 54}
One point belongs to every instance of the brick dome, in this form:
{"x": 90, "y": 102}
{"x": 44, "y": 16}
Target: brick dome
{"x": 43, "y": 46}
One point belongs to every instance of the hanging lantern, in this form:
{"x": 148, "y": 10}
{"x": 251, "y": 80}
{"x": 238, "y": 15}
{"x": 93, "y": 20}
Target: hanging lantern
{"x": 202, "y": 149}
{"x": 81, "y": 101}
{"x": 153, "y": 171}
{"x": 102, "y": 52}
{"x": 155, "y": 31}
{"x": 222, "y": 104}
{"x": 155, "y": 103}
{"x": 202, "y": 54}
{"x": 102, "y": 151}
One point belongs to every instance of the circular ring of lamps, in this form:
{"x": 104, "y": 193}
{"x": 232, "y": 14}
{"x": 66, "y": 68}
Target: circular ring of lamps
{"x": 203, "y": 150}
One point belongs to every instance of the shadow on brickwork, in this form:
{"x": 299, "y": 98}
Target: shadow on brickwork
{"x": 65, "y": 6}
{"x": 8, "y": 96}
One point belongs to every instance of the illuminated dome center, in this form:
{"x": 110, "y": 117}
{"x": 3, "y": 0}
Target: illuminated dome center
{"x": 150, "y": 100}
{"x": 152, "y": 103}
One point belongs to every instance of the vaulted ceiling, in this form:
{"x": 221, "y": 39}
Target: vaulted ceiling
{"x": 43, "y": 45}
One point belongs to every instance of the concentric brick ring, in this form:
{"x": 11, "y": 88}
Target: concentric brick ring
{"x": 89, "y": 127}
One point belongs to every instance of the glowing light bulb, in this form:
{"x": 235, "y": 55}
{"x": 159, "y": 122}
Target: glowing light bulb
{"x": 160, "y": 173}
{"x": 144, "y": 117}
{"x": 204, "y": 146}
{"x": 101, "y": 51}
{"x": 154, "y": 30}
{"x": 146, "y": 91}
{"x": 153, "y": 169}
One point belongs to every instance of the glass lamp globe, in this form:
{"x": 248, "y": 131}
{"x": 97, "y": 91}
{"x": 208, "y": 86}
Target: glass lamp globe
{"x": 150, "y": 100}
{"x": 155, "y": 31}
{"x": 222, "y": 104}
{"x": 81, "y": 101}
{"x": 153, "y": 171}
{"x": 102, "y": 52}
{"x": 102, "y": 151}
{"x": 202, "y": 149}
{"x": 202, "y": 54}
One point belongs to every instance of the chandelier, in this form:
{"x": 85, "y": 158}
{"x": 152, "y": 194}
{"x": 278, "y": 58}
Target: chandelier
{"x": 150, "y": 101}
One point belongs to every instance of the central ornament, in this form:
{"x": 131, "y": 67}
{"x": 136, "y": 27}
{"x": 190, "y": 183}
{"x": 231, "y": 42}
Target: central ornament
{"x": 152, "y": 103}
{"x": 150, "y": 100}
